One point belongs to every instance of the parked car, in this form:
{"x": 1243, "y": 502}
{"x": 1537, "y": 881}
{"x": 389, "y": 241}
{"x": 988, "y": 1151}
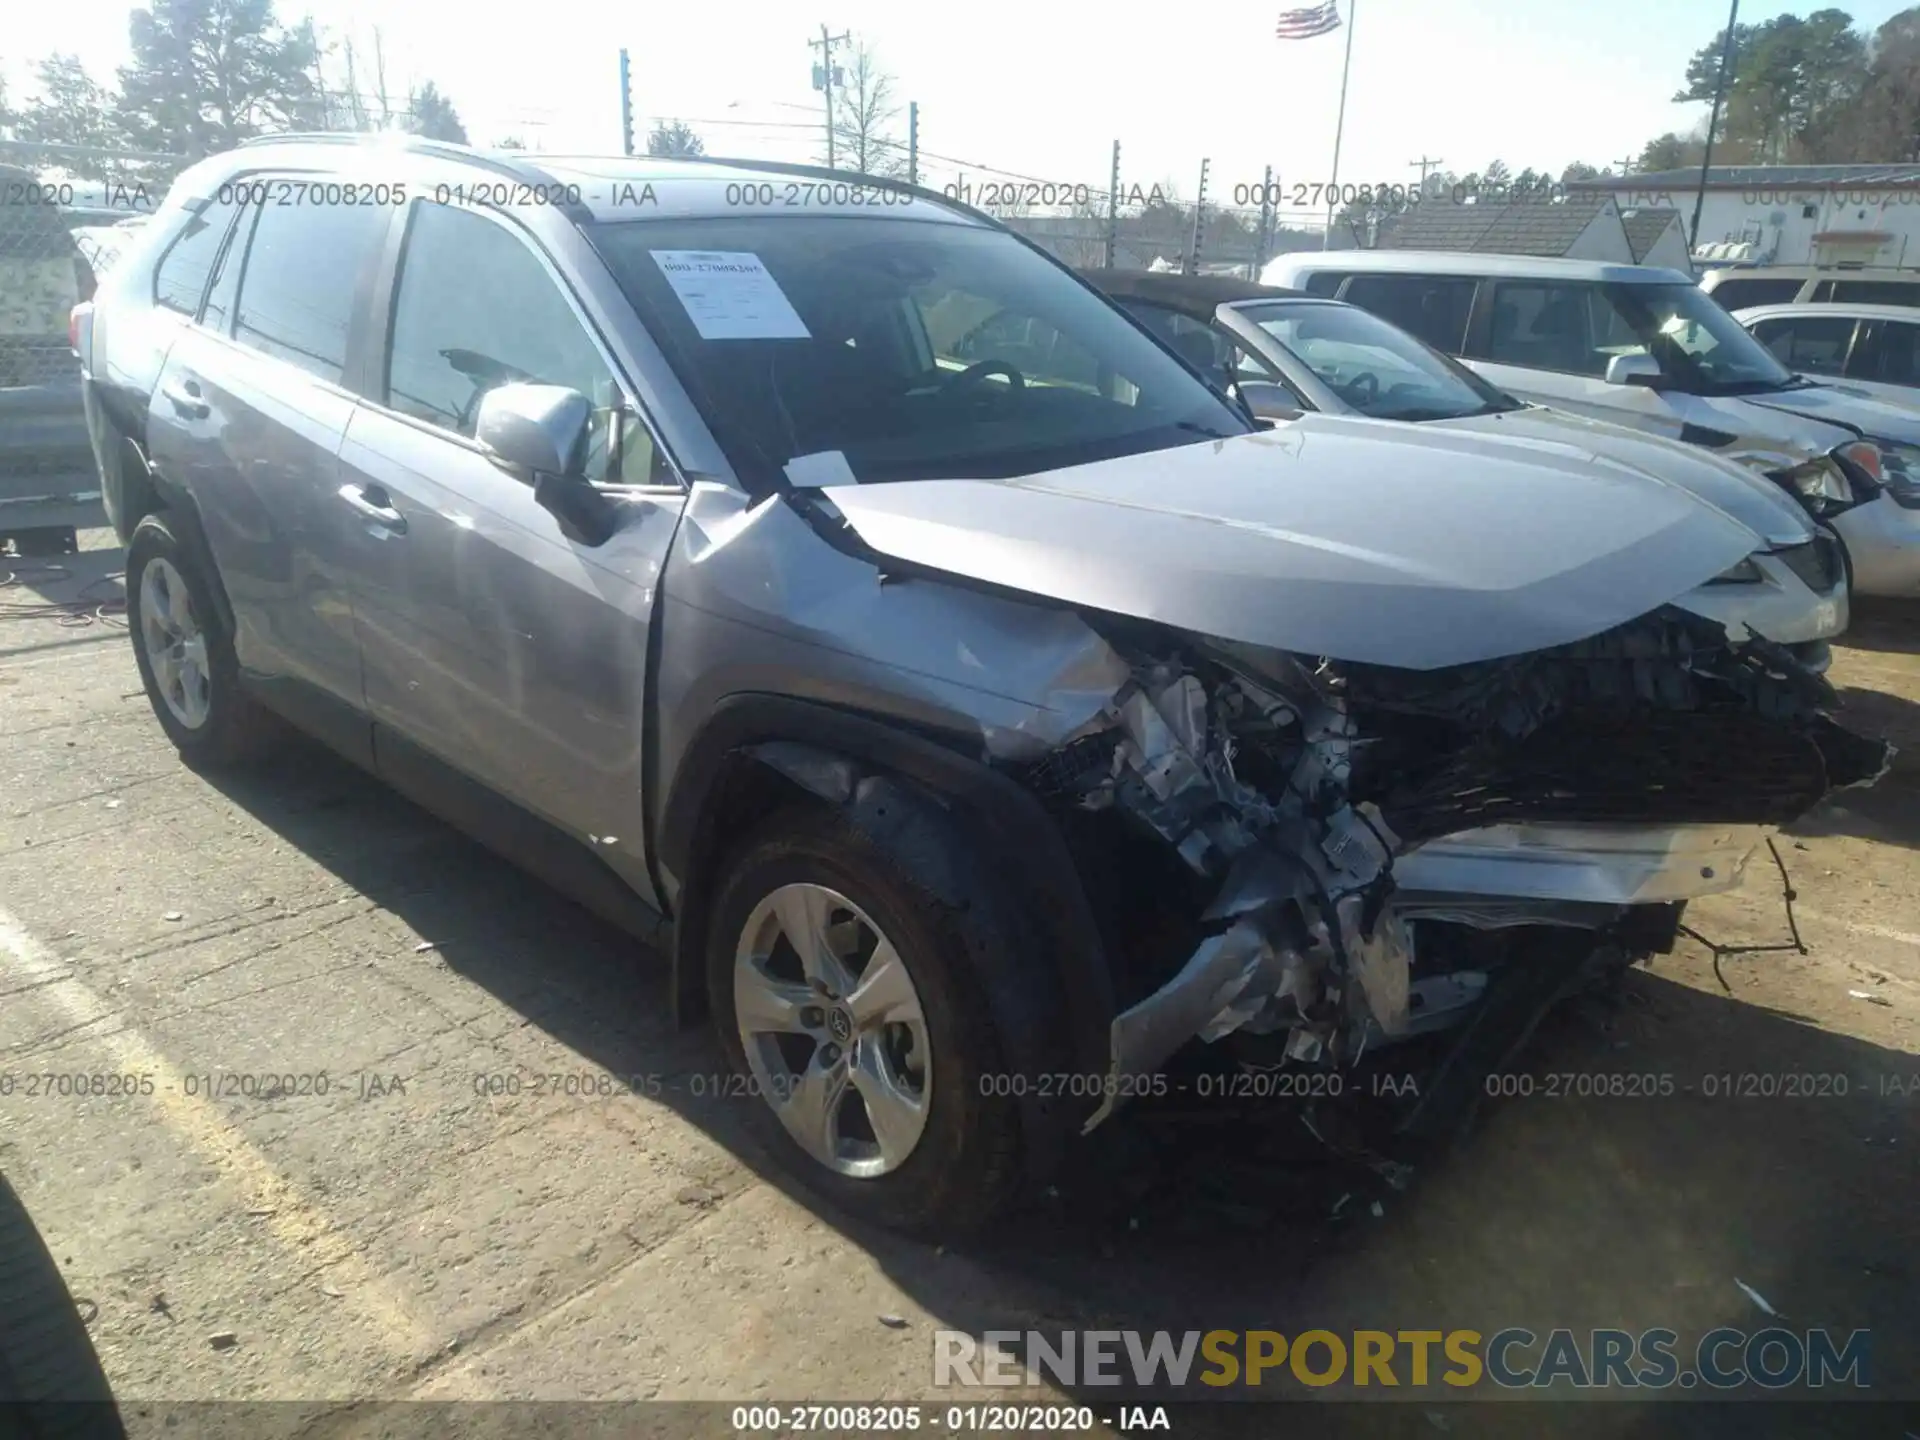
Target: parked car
{"x": 1874, "y": 349}
{"x": 47, "y": 482}
{"x": 975, "y": 742}
{"x": 1284, "y": 352}
{"x": 1648, "y": 348}
{"x": 1744, "y": 286}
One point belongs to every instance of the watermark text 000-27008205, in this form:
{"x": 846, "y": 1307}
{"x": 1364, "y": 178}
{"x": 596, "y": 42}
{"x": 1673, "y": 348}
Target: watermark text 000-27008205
{"x": 1453, "y": 1363}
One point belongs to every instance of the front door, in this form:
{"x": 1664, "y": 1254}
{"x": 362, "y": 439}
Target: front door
{"x": 490, "y": 639}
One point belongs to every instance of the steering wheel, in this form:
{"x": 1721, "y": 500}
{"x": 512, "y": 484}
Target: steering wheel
{"x": 1362, "y": 390}
{"x": 952, "y": 382}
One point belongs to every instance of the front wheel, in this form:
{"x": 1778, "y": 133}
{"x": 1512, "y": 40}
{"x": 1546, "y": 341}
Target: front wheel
{"x": 845, "y": 1000}
{"x": 185, "y": 656}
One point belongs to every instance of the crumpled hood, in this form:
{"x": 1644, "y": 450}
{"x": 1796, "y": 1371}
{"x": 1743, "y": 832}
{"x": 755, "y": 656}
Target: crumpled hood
{"x": 1355, "y": 539}
{"x": 1877, "y": 418}
{"x": 1762, "y": 505}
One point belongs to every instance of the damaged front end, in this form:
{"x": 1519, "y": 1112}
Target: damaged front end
{"x": 1316, "y": 824}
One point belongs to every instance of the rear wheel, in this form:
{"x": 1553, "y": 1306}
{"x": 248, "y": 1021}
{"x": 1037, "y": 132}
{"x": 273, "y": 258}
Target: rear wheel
{"x": 185, "y": 656}
{"x": 844, "y": 997}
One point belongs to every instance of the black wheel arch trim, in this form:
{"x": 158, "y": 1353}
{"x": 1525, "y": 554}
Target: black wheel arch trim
{"x": 941, "y": 816}
{"x": 183, "y": 518}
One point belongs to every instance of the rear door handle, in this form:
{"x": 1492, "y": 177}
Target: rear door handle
{"x": 185, "y": 398}
{"x": 374, "y": 503}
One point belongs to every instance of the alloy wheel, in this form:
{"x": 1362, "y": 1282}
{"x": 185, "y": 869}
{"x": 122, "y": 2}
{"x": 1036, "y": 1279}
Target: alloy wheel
{"x": 175, "y": 643}
{"x": 833, "y": 1029}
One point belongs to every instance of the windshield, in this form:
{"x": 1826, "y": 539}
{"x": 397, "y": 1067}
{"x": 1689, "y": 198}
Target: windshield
{"x": 915, "y": 350}
{"x": 1695, "y": 340}
{"x": 1376, "y": 368}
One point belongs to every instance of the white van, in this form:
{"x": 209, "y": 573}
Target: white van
{"x": 1648, "y": 348}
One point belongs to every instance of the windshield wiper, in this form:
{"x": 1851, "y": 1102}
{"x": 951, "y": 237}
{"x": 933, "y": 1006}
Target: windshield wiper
{"x": 1196, "y": 428}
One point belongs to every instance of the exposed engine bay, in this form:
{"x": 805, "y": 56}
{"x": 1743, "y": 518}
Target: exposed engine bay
{"x": 1266, "y": 803}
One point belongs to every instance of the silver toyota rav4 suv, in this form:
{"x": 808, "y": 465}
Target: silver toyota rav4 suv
{"x": 991, "y": 723}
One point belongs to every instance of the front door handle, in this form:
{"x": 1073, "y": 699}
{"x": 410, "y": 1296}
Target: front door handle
{"x": 374, "y": 503}
{"x": 185, "y": 398}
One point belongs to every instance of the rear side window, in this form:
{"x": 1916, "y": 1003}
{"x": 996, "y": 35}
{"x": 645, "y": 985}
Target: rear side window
{"x": 1739, "y": 294}
{"x": 301, "y": 278}
{"x": 1876, "y": 292}
{"x": 1814, "y": 343}
{"x": 181, "y": 278}
{"x": 1434, "y": 307}
{"x": 1324, "y": 282}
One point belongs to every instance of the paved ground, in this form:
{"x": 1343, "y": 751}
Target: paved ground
{"x": 407, "y": 1233}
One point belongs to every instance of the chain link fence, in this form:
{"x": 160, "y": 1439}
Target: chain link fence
{"x": 66, "y": 213}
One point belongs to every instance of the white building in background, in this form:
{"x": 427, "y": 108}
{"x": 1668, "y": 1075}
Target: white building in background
{"x": 1787, "y": 214}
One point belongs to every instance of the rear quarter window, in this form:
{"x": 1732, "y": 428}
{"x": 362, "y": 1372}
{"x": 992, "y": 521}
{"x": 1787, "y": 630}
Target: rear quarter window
{"x": 180, "y": 280}
{"x": 1739, "y": 294}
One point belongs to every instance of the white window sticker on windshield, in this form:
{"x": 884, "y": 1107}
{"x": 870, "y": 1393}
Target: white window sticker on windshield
{"x": 729, "y": 295}
{"x": 820, "y": 469}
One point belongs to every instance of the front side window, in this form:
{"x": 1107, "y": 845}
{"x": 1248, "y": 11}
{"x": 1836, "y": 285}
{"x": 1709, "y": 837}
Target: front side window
{"x": 181, "y": 278}
{"x": 1380, "y": 371}
{"x": 1818, "y": 343}
{"x": 1547, "y": 326}
{"x": 1433, "y": 307}
{"x": 475, "y": 309}
{"x": 915, "y": 349}
{"x": 301, "y": 280}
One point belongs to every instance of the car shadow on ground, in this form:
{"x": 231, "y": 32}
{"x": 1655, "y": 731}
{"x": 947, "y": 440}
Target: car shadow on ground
{"x": 1556, "y": 1209}
{"x": 50, "y": 1378}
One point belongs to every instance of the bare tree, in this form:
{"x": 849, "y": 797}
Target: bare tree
{"x": 864, "y": 114}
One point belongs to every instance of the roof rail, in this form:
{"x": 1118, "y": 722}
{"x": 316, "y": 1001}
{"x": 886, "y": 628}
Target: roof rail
{"x": 851, "y": 177}
{"x": 514, "y": 169}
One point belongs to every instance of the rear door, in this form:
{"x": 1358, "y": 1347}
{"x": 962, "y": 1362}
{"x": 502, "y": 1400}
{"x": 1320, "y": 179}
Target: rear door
{"x": 248, "y": 418}
{"x": 493, "y": 642}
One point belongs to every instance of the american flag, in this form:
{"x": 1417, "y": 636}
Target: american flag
{"x": 1305, "y": 24}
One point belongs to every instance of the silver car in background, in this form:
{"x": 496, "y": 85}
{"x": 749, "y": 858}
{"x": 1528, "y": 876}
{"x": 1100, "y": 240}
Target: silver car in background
{"x": 1285, "y": 353}
{"x": 1647, "y": 348}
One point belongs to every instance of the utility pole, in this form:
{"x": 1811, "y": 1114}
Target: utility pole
{"x": 1266, "y": 221}
{"x": 1192, "y": 266}
{"x": 913, "y": 142}
{"x": 626, "y": 103}
{"x": 826, "y": 76}
{"x": 1424, "y": 164}
{"x": 1713, "y": 118}
{"x": 1113, "y": 207}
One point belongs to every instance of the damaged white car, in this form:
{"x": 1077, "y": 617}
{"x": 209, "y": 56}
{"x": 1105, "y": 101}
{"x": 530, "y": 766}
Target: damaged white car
{"x": 989, "y": 720}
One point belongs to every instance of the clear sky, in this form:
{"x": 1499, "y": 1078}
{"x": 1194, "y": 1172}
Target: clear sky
{"x": 1044, "y": 89}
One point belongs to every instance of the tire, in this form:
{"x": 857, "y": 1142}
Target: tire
{"x": 232, "y": 728}
{"x": 51, "y": 1383}
{"x": 46, "y": 542}
{"x": 966, "y": 1163}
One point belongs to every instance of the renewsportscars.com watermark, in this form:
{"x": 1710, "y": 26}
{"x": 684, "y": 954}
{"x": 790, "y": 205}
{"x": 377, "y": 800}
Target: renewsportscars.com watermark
{"x": 1775, "y": 1358}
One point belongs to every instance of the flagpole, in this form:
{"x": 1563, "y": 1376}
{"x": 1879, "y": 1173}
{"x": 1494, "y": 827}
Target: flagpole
{"x": 1339, "y": 125}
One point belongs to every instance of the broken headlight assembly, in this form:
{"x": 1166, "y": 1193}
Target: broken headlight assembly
{"x": 1821, "y": 484}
